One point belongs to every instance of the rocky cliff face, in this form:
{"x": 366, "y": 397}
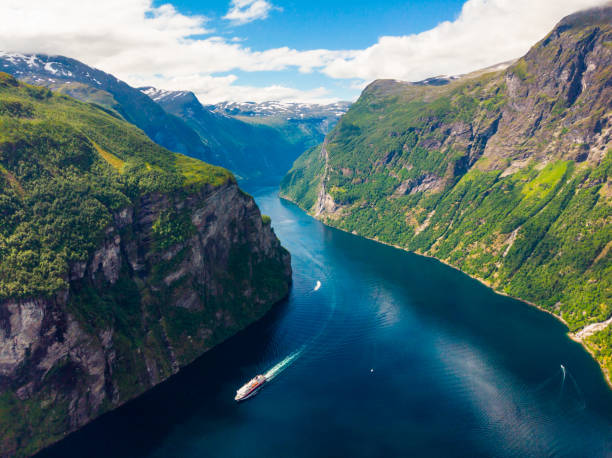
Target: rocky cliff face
{"x": 557, "y": 97}
{"x": 143, "y": 306}
{"x": 503, "y": 173}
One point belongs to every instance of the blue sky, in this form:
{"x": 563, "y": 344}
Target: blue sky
{"x": 328, "y": 24}
{"x": 338, "y": 25}
{"x": 316, "y": 51}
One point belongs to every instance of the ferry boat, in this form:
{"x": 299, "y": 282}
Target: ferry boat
{"x": 251, "y": 388}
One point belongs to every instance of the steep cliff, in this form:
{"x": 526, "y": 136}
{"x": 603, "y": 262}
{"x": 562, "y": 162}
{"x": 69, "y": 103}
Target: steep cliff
{"x": 503, "y": 173}
{"x": 120, "y": 263}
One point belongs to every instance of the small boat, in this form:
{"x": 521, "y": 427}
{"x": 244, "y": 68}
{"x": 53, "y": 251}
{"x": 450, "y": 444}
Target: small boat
{"x": 251, "y": 388}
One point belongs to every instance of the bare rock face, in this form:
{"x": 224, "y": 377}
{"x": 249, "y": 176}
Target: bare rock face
{"x": 108, "y": 260}
{"x": 21, "y": 324}
{"x": 143, "y": 306}
{"x": 558, "y": 95}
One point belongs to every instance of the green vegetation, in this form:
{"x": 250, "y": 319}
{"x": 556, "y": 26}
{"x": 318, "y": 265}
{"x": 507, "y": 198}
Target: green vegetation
{"x": 66, "y": 166}
{"x": 17, "y": 417}
{"x": 68, "y": 170}
{"x": 113, "y": 160}
{"x": 600, "y": 344}
{"x": 302, "y": 182}
{"x": 488, "y": 179}
{"x": 520, "y": 69}
{"x": 171, "y": 229}
{"x": 196, "y": 173}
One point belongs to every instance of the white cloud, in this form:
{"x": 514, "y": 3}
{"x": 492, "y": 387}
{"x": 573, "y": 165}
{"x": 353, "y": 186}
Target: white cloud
{"x": 138, "y": 42}
{"x": 213, "y": 89}
{"x": 147, "y": 45}
{"x": 244, "y": 11}
{"x": 485, "y": 33}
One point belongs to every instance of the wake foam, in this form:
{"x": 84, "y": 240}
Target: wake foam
{"x": 284, "y": 364}
{"x": 563, "y": 390}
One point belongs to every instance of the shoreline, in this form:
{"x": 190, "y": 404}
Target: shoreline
{"x": 134, "y": 398}
{"x": 572, "y": 335}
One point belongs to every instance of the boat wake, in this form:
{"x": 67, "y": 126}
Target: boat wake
{"x": 564, "y": 390}
{"x": 563, "y": 381}
{"x": 280, "y": 367}
{"x": 284, "y": 364}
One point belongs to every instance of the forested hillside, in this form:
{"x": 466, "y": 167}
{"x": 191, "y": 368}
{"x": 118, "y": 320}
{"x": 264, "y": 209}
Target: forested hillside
{"x": 120, "y": 263}
{"x": 505, "y": 174}
{"x": 258, "y": 149}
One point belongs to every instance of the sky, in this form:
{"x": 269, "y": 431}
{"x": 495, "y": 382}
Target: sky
{"x": 296, "y": 51}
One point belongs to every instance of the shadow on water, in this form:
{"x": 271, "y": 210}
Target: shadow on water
{"x": 391, "y": 354}
{"x": 140, "y": 426}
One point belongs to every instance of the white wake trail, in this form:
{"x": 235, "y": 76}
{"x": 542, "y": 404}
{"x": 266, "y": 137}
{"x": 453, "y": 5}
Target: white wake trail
{"x": 562, "y": 381}
{"x": 284, "y": 364}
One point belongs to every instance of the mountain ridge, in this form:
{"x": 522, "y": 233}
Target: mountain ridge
{"x": 88, "y": 84}
{"x": 503, "y": 174}
{"x": 258, "y": 148}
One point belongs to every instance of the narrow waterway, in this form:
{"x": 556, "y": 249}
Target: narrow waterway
{"x": 377, "y": 352}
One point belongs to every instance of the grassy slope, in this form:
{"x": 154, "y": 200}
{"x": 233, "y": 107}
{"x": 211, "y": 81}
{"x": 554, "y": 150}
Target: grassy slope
{"x": 541, "y": 233}
{"x": 59, "y": 182}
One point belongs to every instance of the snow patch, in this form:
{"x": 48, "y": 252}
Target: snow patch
{"x": 49, "y": 68}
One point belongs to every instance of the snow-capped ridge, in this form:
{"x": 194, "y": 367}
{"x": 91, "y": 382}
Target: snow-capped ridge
{"x": 288, "y": 110}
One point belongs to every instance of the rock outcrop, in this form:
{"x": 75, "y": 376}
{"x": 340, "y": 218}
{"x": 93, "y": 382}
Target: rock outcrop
{"x": 136, "y": 312}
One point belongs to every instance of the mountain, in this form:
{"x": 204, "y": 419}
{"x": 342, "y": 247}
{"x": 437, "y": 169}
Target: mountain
{"x": 260, "y": 150}
{"x": 283, "y": 110}
{"x": 504, "y": 174}
{"x": 255, "y": 152}
{"x": 120, "y": 263}
{"x": 304, "y": 124}
{"x": 260, "y": 146}
{"x": 71, "y": 77}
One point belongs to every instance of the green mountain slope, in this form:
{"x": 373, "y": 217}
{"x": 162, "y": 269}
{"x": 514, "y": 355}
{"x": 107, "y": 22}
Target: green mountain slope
{"x": 120, "y": 262}
{"x": 73, "y": 78}
{"x": 74, "y": 165}
{"x": 504, "y": 174}
{"x": 257, "y": 153}
{"x": 255, "y": 148}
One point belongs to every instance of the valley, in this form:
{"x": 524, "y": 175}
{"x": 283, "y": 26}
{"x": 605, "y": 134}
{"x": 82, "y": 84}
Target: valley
{"x": 424, "y": 270}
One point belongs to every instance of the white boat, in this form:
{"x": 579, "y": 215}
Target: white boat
{"x": 250, "y": 388}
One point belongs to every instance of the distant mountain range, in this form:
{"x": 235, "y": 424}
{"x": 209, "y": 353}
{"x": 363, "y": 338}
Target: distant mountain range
{"x": 258, "y": 142}
{"x": 286, "y": 110}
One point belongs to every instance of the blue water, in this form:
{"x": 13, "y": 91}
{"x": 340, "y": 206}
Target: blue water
{"x": 377, "y": 352}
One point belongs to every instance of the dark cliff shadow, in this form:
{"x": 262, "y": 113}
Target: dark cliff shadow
{"x": 207, "y": 384}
